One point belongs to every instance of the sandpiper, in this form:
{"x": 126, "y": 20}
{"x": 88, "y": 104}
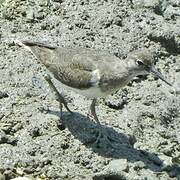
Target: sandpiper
{"x": 92, "y": 73}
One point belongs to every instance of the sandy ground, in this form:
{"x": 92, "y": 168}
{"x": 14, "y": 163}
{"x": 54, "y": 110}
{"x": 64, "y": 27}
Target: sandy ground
{"x": 143, "y": 118}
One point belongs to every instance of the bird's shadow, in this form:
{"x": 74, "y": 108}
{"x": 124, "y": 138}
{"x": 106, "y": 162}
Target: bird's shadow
{"x": 84, "y": 129}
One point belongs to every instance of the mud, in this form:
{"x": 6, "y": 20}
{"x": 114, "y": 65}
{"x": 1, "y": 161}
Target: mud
{"x": 143, "y": 117}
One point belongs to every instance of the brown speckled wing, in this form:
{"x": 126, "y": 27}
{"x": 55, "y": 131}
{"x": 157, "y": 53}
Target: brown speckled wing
{"x": 75, "y": 78}
{"x": 67, "y": 65}
{"x": 73, "y": 69}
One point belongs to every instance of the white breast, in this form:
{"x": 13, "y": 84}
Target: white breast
{"x": 95, "y": 77}
{"x": 93, "y": 92}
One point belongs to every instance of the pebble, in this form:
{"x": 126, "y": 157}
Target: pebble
{"x": 167, "y": 161}
{"x": 7, "y": 138}
{"x": 139, "y": 165}
{"x": 171, "y": 12}
{"x": 3, "y": 95}
{"x": 3, "y": 137}
{"x": 35, "y": 132}
{"x": 116, "y": 102}
{"x": 19, "y": 171}
{"x": 119, "y": 165}
{"x": 116, "y": 168}
{"x": 145, "y": 3}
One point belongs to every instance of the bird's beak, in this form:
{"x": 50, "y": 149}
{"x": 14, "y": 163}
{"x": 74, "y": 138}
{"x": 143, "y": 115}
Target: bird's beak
{"x": 156, "y": 73}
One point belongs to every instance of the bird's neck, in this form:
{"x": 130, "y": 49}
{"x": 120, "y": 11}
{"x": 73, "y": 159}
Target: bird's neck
{"x": 124, "y": 69}
{"x": 122, "y": 74}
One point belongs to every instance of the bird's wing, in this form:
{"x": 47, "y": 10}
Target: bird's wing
{"x": 73, "y": 67}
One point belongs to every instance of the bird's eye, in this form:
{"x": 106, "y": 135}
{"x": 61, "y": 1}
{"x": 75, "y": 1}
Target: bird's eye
{"x": 139, "y": 62}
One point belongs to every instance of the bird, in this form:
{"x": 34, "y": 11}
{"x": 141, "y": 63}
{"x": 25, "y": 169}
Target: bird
{"x": 92, "y": 73}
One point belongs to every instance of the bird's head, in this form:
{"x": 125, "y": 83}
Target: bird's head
{"x": 141, "y": 62}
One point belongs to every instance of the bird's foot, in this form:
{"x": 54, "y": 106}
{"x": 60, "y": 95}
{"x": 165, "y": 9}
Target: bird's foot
{"x": 58, "y": 96}
{"x": 103, "y": 136}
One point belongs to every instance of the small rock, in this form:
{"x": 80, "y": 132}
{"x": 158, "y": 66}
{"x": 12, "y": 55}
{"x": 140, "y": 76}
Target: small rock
{"x": 145, "y": 3}
{"x": 65, "y": 145}
{"x": 115, "y": 170}
{"x": 17, "y": 127}
{"x": 7, "y": 138}
{"x": 30, "y": 15}
{"x": 3, "y": 95}
{"x": 19, "y": 171}
{"x": 139, "y": 165}
{"x": 42, "y": 176}
{"x": 3, "y": 137}
{"x": 117, "y": 101}
{"x": 171, "y": 12}
{"x": 118, "y": 165}
{"x": 35, "y": 132}
{"x": 40, "y": 15}
{"x": 167, "y": 161}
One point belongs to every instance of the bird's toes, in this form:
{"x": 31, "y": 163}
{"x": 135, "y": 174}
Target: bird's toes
{"x": 104, "y": 138}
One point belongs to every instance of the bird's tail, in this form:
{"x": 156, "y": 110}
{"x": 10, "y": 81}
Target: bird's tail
{"x": 31, "y": 44}
{"x": 22, "y": 44}
{"x": 43, "y": 52}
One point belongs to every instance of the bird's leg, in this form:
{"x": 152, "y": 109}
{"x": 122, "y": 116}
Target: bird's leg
{"x": 58, "y": 96}
{"x": 102, "y": 132}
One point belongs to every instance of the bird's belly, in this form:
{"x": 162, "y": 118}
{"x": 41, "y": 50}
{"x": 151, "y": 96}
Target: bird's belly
{"x": 93, "y": 92}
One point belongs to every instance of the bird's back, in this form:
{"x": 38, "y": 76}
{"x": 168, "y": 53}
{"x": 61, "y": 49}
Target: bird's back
{"x": 56, "y": 55}
{"x": 79, "y": 68}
